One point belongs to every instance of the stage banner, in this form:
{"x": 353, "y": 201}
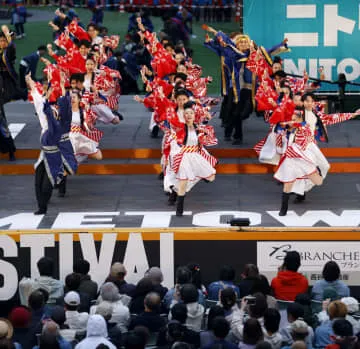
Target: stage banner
{"x": 321, "y": 33}
{"x": 314, "y": 255}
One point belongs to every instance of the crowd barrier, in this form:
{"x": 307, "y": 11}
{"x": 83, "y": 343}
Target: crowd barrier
{"x": 140, "y": 248}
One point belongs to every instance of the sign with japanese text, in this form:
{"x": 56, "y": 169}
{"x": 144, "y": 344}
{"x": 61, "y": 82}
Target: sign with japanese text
{"x": 321, "y": 33}
{"x": 314, "y": 255}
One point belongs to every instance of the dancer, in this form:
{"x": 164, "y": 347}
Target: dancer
{"x": 9, "y": 89}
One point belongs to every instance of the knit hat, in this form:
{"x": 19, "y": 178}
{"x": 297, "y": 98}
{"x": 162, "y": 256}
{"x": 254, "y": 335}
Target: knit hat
{"x": 72, "y": 298}
{"x": 155, "y": 274}
{"x": 20, "y": 317}
{"x": 299, "y": 326}
{"x": 6, "y": 329}
{"x": 351, "y": 303}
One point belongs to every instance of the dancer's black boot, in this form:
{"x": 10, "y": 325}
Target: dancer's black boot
{"x": 172, "y": 198}
{"x": 62, "y": 187}
{"x": 299, "y": 199}
{"x": 284, "y": 204}
{"x": 180, "y": 205}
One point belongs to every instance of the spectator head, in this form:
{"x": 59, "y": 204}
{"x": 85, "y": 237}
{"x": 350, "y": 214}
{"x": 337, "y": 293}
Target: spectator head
{"x": 118, "y": 271}
{"x": 220, "y": 327}
{"x": 195, "y": 273}
{"x": 104, "y": 309}
{"x": 252, "y": 333}
{"x": 251, "y": 271}
{"x": 50, "y": 327}
{"x": 81, "y": 266}
{"x": 46, "y": 266}
{"x": 189, "y": 293}
{"x": 183, "y": 274}
{"x": 292, "y": 261}
{"x": 143, "y": 332}
{"x": 134, "y": 340}
{"x": 42, "y": 50}
{"x": 180, "y": 77}
{"x": 6, "y": 329}
{"x": 228, "y": 298}
{"x": 181, "y": 345}
{"x": 3, "y": 41}
{"x": 152, "y": 302}
{"x": 272, "y": 319}
{"x": 258, "y": 309}
{"x": 96, "y": 326}
{"x": 36, "y": 300}
{"x": 260, "y": 284}
{"x": 331, "y": 271}
{"x": 337, "y": 309}
{"x": 298, "y": 345}
{"x": 179, "y": 312}
{"x": 263, "y": 345}
{"x": 299, "y": 330}
{"x": 20, "y": 317}
{"x": 72, "y": 301}
{"x": 73, "y": 281}
{"x": 155, "y": 275}
{"x": 143, "y": 287}
{"x": 227, "y": 273}
{"x": 351, "y": 303}
{"x": 6, "y": 343}
{"x": 343, "y": 333}
{"x": 214, "y": 312}
{"x": 58, "y": 315}
{"x": 294, "y": 312}
{"x": 109, "y": 292}
{"x": 49, "y": 341}
{"x": 304, "y": 299}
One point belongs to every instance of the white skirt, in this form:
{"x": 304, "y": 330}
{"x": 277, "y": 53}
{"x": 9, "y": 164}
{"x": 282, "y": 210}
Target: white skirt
{"x": 270, "y": 153}
{"x": 103, "y": 113}
{"x": 83, "y": 146}
{"x": 292, "y": 169}
{"x": 193, "y": 167}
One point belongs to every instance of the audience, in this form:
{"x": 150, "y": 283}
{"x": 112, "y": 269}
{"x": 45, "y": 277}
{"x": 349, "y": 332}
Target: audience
{"x": 96, "y": 333}
{"x": 331, "y": 274}
{"x": 156, "y": 276}
{"x": 289, "y": 283}
{"x": 226, "y": 280}
{"x": 150, "y": 318}
{"x": 117, "y": 276}
{"x": 221, "y": 329}
{"x": 87, "y": 286}
{"x": 177, "y": 318}
{"x": 335, "y": 310}
{"x": 109, "y": 294}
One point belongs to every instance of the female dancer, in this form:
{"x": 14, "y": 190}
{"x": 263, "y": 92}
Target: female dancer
{"x": 299, "y": 161}
{"x": 189, "y": 159}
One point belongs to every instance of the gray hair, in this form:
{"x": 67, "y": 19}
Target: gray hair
{"x": 109, "y": 292}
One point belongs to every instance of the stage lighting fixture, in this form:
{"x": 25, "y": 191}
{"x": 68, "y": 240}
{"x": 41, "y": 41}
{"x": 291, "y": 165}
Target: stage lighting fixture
{"x": 239, "y": 222}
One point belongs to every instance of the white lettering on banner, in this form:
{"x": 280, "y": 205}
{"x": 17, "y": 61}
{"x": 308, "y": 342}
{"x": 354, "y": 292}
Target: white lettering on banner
{"x": 155, "y": 219}
{"x": 167, "y": 258}
{"x": 203, "y": 219}
{"x": 300, "y": 11}
{"x": 37, "y": 244}
{"x": 347, "y": 218}
{"x": 349, "y": 66}
{"x": 334, "y": 23}
{"x": 212, "y": 218}
{"x": 21, "y": 221}
{"x": 79, "y": 220}
{"x": 8, "y": 271}
{"x": 66, "y": 254}
{"x": 99, "y": 267}
{"x": 270, "y": 254}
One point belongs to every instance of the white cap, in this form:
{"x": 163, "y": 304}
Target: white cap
{"x": 72, "y": 298}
